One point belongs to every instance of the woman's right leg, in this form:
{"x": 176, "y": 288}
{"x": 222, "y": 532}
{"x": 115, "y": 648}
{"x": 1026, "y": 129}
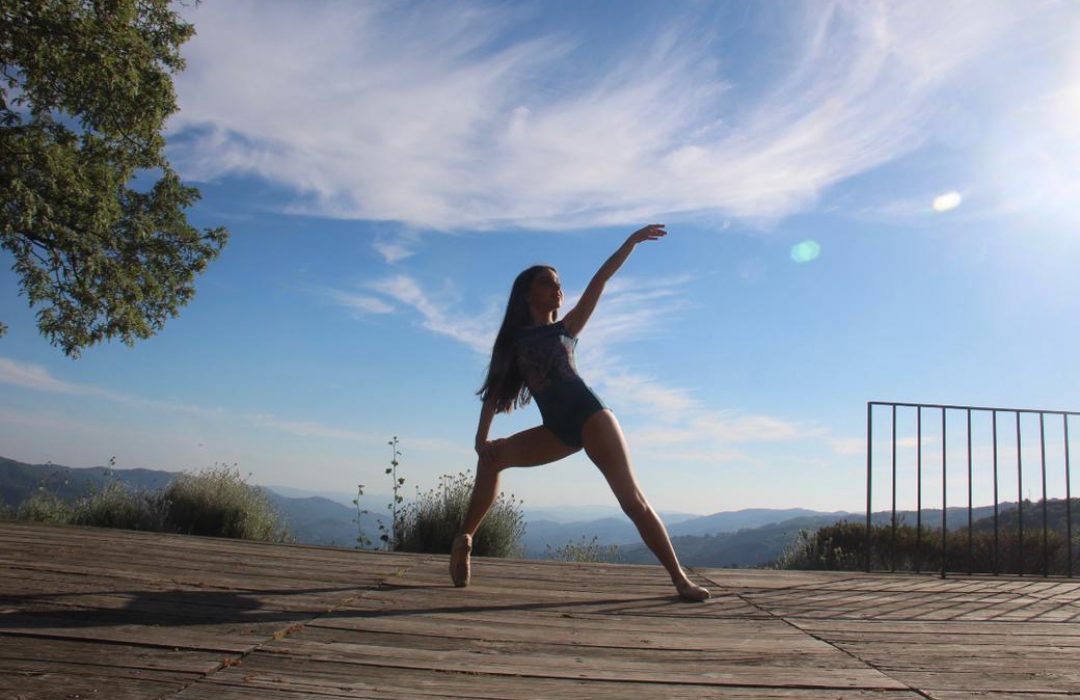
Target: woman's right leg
{"x": 529, "y": 448}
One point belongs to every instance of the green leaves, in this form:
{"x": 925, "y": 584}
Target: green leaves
{"x": 84, "y": 94}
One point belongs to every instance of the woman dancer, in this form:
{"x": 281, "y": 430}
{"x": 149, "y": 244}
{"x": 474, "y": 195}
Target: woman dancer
{"x": 533, "y": 357}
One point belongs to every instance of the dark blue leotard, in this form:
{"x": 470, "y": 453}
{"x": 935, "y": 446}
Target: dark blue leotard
{"x": 546, "y": 360}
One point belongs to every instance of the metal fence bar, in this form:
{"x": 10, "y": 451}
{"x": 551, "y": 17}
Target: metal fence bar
{"x": 960, "y": 407}
{"x": 1020, "y": 494}
{"x": 1046, "y": 530}
{"x": 892, "y": 557}
{"x": 996, "y": 544}
{"x": 1068, "y": 501}
{"x": 971, "y": 524}
{"x": 869, "y": 475}
{"x": 918, "y": 480}
{"x": 944, "y": 504}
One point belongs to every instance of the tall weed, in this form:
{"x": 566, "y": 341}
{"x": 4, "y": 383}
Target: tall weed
{"x": 431, "y": 521}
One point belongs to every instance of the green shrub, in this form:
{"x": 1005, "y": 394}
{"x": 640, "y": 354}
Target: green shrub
{"x": 118, "y": 505}
{"x": 430, "y": 522}
{"x": 842, "y": 546}
{"x": 218, "y": 502}
{"x": 44, "y": 507}
{"x": 583, "y": 551}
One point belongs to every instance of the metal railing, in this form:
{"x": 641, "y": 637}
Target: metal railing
{"x": 992, "y": 414}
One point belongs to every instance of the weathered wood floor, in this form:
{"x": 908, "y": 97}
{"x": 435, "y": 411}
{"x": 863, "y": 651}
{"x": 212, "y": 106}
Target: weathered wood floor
{"x": 88, "y": 613}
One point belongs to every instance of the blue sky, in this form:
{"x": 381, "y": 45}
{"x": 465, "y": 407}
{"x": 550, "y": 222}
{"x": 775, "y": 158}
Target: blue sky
{"x": 866, "y": 201}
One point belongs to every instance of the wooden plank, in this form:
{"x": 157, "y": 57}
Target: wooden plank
{"x": 482, "y": 597}
{"x": 990, "y": 695}
{"x": 223, "y": 638}
{"x": 18, "y": 586}
{"x": 120, "y": 673}
{"x": 307, "y": 678}
{"x": 26, "y": 652}
{"x": 771, "y": 646}
{"x": 592, "y": 630}
{"x": 919, "y": 606}
{"x": 581, "y": 666}
{"x": 189, "y": 607}
{"x": 971, "y": 630}
{"x": 49, "y": 685}
{"x": 1015, "y": 682}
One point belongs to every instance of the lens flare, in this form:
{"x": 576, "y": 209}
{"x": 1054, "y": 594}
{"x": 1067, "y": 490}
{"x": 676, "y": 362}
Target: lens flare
{"x": 947, "y": 201}
{"x": 805, "y": 252}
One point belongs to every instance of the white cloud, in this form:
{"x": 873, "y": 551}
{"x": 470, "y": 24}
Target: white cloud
{"x": 359, "y": 303}
{"x": 38, "y": 378}
{"x": 392, "y": 252}
{"x": 477, "y": 333}
{"x": 428, "y": 116}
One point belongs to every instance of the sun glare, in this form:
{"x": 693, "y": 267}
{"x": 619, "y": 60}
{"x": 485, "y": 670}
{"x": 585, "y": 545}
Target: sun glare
{"x": 947, "y": 201}
{"x": 805, "y": 252}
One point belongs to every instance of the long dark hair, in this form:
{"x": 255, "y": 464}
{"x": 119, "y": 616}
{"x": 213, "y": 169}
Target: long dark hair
{"x": 504, "y": 383}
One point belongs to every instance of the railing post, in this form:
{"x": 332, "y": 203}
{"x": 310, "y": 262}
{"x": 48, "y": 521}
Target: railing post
{"x": 971, "y": 524}
{"x": 892, "y": 550}
{"x": 997, "y": 547}
{"x": 1068, "y": 499}
{"x": 918, "y": 490}
{"x": 1042, "y": 458}
{"x": 1020, "y": 495}
{"x": 944, "y": 502}
{"x": 869, "y": 475}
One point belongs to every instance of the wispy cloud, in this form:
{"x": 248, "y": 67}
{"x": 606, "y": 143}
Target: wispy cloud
{"x": 432, "y": 117}
{"x": 38, "y": 378}
{"x": 477, "y": 332}
{"x": 30, "y": 376}
{"x": 392, "y": 251}
{"x": 359, "y": 303}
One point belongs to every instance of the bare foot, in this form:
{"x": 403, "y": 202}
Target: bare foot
{"x": 688, "y": 590}
{"x": 459, "y": 560}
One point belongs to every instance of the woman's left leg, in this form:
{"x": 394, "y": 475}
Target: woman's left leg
{"x": 606, "y": 447}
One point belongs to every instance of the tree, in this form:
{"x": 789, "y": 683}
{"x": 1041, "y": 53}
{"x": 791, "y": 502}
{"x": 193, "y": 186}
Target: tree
{"x": 85, "y": 92}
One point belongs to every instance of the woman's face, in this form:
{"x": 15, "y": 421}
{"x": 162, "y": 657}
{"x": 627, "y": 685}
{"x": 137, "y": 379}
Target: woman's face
{"x": 546, "y": 291}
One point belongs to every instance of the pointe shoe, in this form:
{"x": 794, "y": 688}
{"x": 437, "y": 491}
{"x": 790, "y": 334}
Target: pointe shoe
{"x": 692, "y": 592}
{"x": 459, "y": 560}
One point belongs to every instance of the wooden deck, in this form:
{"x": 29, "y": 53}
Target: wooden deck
{"x": 87, "y": 613}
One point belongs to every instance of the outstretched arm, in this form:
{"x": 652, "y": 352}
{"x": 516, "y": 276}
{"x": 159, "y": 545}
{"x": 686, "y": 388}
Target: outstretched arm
{"x": 575, "y": 320}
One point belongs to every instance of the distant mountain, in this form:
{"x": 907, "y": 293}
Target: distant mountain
{"x": 318, "y": 520}
{"x": 733, "y": 521}
{"x": 745, "y": 548}
{"x": 311, "y": 520}
{"x": 579, "y": 514}
{"x": 747, "y": 537}
{"x": 756, "y": 546}
{"x": 541, "y": 534}
{"x": 18, "y": 479}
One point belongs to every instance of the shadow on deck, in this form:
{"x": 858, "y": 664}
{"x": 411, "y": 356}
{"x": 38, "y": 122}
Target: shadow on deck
{"x": 88, "y": 613}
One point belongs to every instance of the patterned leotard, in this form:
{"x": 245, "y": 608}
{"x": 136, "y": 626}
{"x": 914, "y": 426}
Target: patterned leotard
{"x": 546, "y": 360}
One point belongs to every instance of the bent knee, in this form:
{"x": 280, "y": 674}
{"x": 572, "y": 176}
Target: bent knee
{"x": 636, "y": 507}
{"x": 501, "y": 455}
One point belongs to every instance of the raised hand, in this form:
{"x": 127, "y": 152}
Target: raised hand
{"x": 649, "y": 233}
